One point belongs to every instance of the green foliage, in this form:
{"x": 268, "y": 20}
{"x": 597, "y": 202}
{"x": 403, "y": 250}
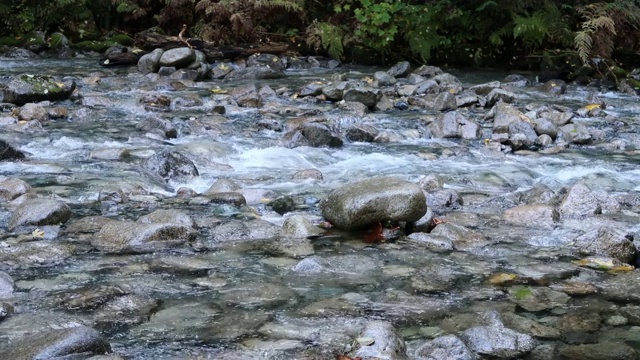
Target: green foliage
{"x": 322, "y": 35}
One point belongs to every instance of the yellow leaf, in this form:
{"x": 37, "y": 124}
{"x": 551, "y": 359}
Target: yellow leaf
{"x": 502, "y": 278}
{"x": 452, "y": 91}
{"x": 218, "y": 91}
{"x": 592, "y": 106}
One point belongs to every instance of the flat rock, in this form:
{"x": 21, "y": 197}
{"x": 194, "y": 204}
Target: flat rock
{"x": 130, "y": 237}
{"x": 40, "y": 211}
{"x": 78, "y": 342}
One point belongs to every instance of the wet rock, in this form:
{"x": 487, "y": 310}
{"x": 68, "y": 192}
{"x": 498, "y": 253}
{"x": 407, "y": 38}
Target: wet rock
{"x": 445, "y": 101}
{"x": 448, "y": 83}
{"x": 187, "y": 102}
{"x": 381, "y": 341}
{"x": 407, "y": 89}
{"x": 579, "y": 202}
{"x": 558, "y": 117}
{"x": 34, "y": 253}
{"x": 544, "y": 126}
{"x": 431, "y": 242}
{"x": 268, "y": 60}
{"x": 365, "y": 95}
{"x": 283, "y": 204}
{"x": 150, "y": 63}
{"x": 555, "y": 87}
{"x": 220, "y": 70}
{"x": 25, "y": 88}
{"x": 443, "y": 200}
{"x": 615, "y": 243}
{"x": 427, "y": 87}
{"x": 40, "y": 211}
{"x": 169, "y": 165}
{"x": 11, "y": 188}
{"x": 153, "y": 102}
{"x": 624, "y": 287}
{"x": 247, "y": 96}
{"x": 400, "y": 69}
{"x": 462, "y": 237}
{"x": 7, "y": 285}
{"x": 362, "y": 133}
{"x": 332, "y": 92}
{"x": 353, "y": 107}
{"x": 31, "y": 111}
{"x": 600, "y": 351}
{"x": 427, "y": 71}
{"x": 500, "y": 95}
{"x": 178, "y": 57}
{"x": 575, "y": 133}
{"x": 89, "y": 297}
{"x": 255, "y": 73}
{"x": 535, "y": 215}
{"x": 298, "y": 226}
{"x": 444, "y": 347}
{"x": 166, "y": 216}
{"x": 10, "y": 153}
{"x": 384, "y": 78}
{"x": 311, "y": 89}
{"x": 529, "y": 326}
{"x": 233, "y": 233}
{"x": 184, "y": 321}
{"x": 233, "y": 198}
{"x": 252, "y": 295}
{"x": 497, "y": 341}
{"x": 436, "y": 278}
{"x": 358, "y": 204}
{"x": 583, "y": 321}
{"x": 313, "y": 174}
{"x": 318, "y": 134}
{"x": 130, "y": 237}
{"x": 78, "y": 342}
{"x": 154, "y": 123}
{"x": 537, "y": 298}
{"x": 485, "y": 89}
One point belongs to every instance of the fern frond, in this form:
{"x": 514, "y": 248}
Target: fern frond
{"x": 583, "y": 43}
{"x": 322, "y": 35}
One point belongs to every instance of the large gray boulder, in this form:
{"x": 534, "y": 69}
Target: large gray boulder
{"x": 361, "y": 203}
{"x": 26, "y": 88}
{"x": 379, "y": 340}
{"x": 74, "y": 343}
{"x": 170, "y": 164}
{"x": 130, "y": 237}
{"x": 40, "y": 212}
{"x": 444, "y": 347}
{"x": 178, "y": 58}
{"x": 150, "y": 63}
{"x": 496, "y": 341}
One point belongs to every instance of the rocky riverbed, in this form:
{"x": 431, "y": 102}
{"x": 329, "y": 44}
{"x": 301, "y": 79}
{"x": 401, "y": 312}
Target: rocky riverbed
{"x": 298, "y": 208}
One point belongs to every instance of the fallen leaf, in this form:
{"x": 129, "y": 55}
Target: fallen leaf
{"x": 439, "y": 221}
{"x": 375, "y": 234}
{"x": 365, "y": 340}
{"x": 502, "y": 278}
{"x": 37, "y": 233}
{"x": 590, "y": 107}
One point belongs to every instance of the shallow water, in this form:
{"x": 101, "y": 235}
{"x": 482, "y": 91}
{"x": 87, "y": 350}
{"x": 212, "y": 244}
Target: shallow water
{"x": 210, "y": 305}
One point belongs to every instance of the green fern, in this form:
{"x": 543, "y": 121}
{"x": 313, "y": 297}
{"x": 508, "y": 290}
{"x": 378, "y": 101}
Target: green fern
{"x": 322, "y": 35}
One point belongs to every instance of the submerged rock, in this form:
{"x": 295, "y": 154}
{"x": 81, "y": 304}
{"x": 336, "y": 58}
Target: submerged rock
{"x": 129, "y": 237}
{"x": 361, "y": 203}
{"x": 497, "y": 341}
{"x": 448, "y": 347}
{"x": 74, "y": 343}
{"x": 40, "y": 211}
{"x": 379, "y": 340}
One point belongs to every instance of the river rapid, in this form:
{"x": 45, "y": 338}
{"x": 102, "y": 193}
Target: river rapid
{"x": 249, "y": 299}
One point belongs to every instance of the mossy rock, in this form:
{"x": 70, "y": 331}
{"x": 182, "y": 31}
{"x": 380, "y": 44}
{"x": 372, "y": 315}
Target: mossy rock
{"x": 521, "y": 292}
{"x": 121, "y": 39}
{"x": 34, "y": 40}
{"x": 616, "y": 72}
{"x": 58, "y": 41}
{"x": 27, "y": 88}
{"x": 97, "y": 46}
{"x": 10, "y": 41}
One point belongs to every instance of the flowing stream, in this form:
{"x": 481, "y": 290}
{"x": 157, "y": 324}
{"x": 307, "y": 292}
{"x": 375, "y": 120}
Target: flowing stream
{"x": 246, "y": 300}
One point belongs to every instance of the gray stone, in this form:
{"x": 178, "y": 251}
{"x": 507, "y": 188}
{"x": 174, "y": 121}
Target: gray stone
{"x": 178, "y": 57}
{"x": 611, "y": 242}
{"x": 576, "y": 134}
{"x": 247, "y": 96}
{"x": 462, "y": 237}
{"x": 7, "y": 285}
{"x": 40, "y": 211}
{"x": 384, "y": 78}
{"x": 427, "y": 87}
{"x": 497, "y": 341}
{"x": 233, "y": 233}
{"x": 223, "y": 185}
{"x": 168, "y": 216}
{"x": 537, "y": 298}
{"x": 298, "y": 226}
{"x": 154, "y": 123}
{"x": 31, "y": 111}
{"x": 485, "y": 89}
{"x": 266, "y": 60}
{"x": 448, "y": 347}
{"x": 74, "y": 343}
{"x": 11, "y": 188}
{"x": 319, "y": 134}
{"x": 500, "y": 95}
{"x": 332, "y": 92}
{"x": 544, "y": 126}
{"x": 25, "y": 88}
{"x": 442, "y": 200}
{"x": 448, "y": 83}
{"x": 534, "y": 215}
{"x": 311, "y": 89}
{"x": 220, "y": 70}
{"x": 362, "y": 133}
{"x": 400, "y": 69}
{"x": 365, "y": 95}
{"x": 10, "y": 153}
{"x": 427, "y": 71}
{"x": 130, "y": 237}
{"x": 386, "y": 343}
{"x": 150, "y": 63}
{"x": 600, "y": 351}
{"x": 255, "y": 73}
{"x": 624, "y": 287}
{"x": 35, "y": 253}
{"x": 579, "y": 202}
{"x": 555, "y": 87}
{"x": 361, "y": 203}
{"x": 454, "y": 125}
{"x": 170, "y": 164}
{"x": 445, "y": 101}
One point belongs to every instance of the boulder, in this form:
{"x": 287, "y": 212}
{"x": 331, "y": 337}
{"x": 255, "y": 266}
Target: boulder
{"x": 72, "y": 343}
{"x": 9, "y": 153}
{"x": 40, "y": 212}
{"x": 379, "y": 340}
{"x": 159, "y": 125}
{"x": 361, "y": 203}
{"x": 150, "y": 63}
{"x": 131, "y": 237}
{"x": 400, "y": 69}
{"x": 170, "y": 164}
{"x": 362, "y": 133}
{"x": 166, "y": 216}
{"x": 365, "y": 95}
{"x": 454, "y": 125}
{"x": 247, "y": 96}
{"x": 579, "y": 202}
{"x": 319, "y": 134}
{"x": 178, "y": 57}
{"x": 555, "y": 87}
{"x": 11, "y": 188}
{"x": 496, "y": 341}
{"x": 502, "y": 95}
{"x": 614, "y": 243}
{"x": 575, "y": 133}
{"x": 26, "y": 88}
{"x": 444, "y": 347}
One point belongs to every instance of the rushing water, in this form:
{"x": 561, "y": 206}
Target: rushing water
{"x": 212, "y": 302}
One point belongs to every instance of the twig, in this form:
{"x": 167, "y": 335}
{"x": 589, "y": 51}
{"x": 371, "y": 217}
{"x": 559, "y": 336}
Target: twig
{"x": 186, "y": 41}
